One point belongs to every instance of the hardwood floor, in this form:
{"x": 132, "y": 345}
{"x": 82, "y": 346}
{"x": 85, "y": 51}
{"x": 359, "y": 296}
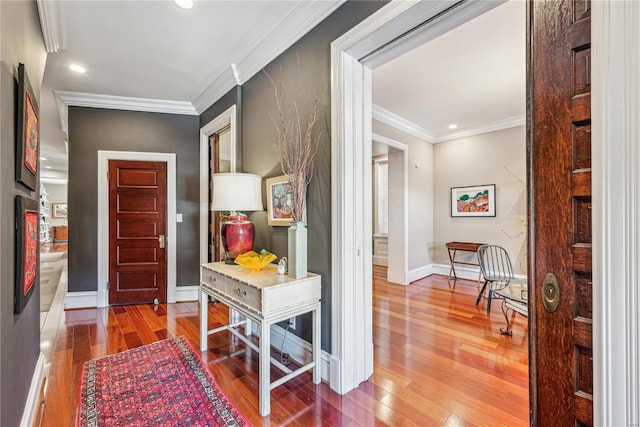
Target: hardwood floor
{"x": 439, "y": 360}
{"x": 54, "y": 247}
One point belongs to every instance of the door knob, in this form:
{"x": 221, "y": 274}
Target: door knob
{"x": 550, "y": 293}
{"x": 161, "y": 241}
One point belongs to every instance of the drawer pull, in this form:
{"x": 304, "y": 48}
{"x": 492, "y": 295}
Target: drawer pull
{"x": 241, "y": 293}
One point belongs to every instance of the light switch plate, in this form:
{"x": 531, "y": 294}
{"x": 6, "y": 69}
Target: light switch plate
{"x": 178, "y": 217}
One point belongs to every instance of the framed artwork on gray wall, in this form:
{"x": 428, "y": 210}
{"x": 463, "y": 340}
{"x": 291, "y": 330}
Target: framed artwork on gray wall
{"x": 279, "y": 202}
{"x": 479, "y": 200}
{"x": 27, "y": 249}
{"x": 27, "y": 132}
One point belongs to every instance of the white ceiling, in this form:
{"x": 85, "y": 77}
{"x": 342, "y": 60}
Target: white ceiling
{"x": 154, "y": 50}
{"x": 473, "y": 76}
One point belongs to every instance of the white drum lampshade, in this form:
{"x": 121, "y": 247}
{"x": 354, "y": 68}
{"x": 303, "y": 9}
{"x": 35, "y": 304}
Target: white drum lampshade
{"x": 237, "y": 192}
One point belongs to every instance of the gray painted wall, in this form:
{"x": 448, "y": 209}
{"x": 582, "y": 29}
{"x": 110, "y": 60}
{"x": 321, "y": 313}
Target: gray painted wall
{"x": 492, "y": 158}
{"x": 21, "y": 41}
{"x": 304, "y": 65}
{"x": 93, "y": 129}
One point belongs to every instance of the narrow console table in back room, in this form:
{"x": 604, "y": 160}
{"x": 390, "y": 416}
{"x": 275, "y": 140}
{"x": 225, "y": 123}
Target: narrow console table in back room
{"x": 453, "y": 248}
{"x": 264, "y": 297}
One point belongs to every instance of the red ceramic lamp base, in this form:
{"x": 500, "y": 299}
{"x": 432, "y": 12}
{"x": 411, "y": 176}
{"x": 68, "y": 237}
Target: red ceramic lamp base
{"x": 237, "y": 235}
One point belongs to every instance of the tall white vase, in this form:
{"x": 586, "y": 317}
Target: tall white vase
{"x": 297, "y": 254}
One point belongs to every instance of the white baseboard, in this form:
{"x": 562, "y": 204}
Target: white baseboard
{"x": 80, "y": 299}
{"x": 297, "y": 348}
{"x": 464, "y": 272}
{"x": 380, "y": 260}
{"x": 187, "y": 293}
{"x": 90, "y": 298}
{"x": 420, "y": 272}
{"x": 33, "y": 403}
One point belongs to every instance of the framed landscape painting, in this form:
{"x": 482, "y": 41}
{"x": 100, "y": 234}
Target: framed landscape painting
{"x": 473, "y": 201}
{"x": 27, "y": 249}
{"x": 27, "y": 132}
{"x": 59, "y": 210}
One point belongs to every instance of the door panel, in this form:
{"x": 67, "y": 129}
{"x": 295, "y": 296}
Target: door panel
{"x": 137, "y": 221}
{"x": 560, "y": 166}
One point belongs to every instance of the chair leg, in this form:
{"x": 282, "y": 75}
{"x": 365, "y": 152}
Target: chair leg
{"x": 489, "y": 301}
{"x": 481, "y": 293}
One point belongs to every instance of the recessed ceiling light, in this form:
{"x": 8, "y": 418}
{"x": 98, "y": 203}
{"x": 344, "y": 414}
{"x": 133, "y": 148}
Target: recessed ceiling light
{"x": 47, "y": 167}
{"x": 78, "y": 68}
{"x": 453, "y": 126}
{"x": 43, "y": 158}
{"x": 185, "y": 4}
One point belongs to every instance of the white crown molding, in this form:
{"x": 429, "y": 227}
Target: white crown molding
{"x": 63, "y": 112}
{"x": 507, "y": 123}
{"x": 79, "y": 99}
{"x": 302, "y": 18}
{"x": 52, "y": 24}
{"x": 222, "y": 84}
{"x": 387, "y": 117}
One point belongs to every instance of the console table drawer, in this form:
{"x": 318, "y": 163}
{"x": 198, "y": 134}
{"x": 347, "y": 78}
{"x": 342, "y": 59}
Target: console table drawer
{"x": 214, "y": 280}
{"x": 247, "y": 295}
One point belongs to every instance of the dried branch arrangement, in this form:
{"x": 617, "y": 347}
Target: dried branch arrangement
{"x": 297, "y": 145}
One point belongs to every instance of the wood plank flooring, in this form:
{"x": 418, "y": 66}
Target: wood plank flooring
{"x": 439, "y": 361}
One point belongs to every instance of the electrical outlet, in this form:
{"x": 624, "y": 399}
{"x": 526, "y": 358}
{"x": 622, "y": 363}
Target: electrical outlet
{"x": 292, "y": 323}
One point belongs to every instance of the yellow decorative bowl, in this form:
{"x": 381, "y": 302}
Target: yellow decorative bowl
{"x": 254, "y": 261}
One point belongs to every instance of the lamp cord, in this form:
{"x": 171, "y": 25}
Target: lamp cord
{"x": 285, "y": 358}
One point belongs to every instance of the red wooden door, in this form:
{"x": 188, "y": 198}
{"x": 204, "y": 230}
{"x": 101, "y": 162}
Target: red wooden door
{"x": 561, "y": 365}
{"x": 137, "y": 223}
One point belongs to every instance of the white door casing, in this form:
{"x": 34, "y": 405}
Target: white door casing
{"x": 352, "y": 56}
{"x": 398, "y": 237}
{"x": 227, "y": 118}
{"x": 103, "y": 218}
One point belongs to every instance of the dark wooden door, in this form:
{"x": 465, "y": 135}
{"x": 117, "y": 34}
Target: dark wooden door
{"x": 137, "y": 239}
{"x": 215, "y": 242}
{"x": 561, "y": 367}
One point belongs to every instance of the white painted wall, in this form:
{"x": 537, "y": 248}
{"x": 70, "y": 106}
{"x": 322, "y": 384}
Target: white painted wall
{"x": 57, "y": 194}
{"x": 421, "y": 225}
{"x": 492, "y": 158}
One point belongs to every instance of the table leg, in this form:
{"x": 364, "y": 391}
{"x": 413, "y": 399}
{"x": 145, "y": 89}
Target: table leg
{"x": 265, "y": 366}
{"x": 452, "y": 270}
{"x": 316, "y": 344}
{"x": 204, "y": 320}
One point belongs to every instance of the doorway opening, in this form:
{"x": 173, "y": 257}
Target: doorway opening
{"x": 354, "y": 56}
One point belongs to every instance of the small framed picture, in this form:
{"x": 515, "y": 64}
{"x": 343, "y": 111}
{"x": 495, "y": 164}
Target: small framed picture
{"x": 59, "y": 210}
{"x": 279, "y": 201}
{"x": 27, "y": 135}
{"x": 478, "y": 200}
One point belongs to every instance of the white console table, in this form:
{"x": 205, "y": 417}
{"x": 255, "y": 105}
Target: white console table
{"x": 265, "y": 297}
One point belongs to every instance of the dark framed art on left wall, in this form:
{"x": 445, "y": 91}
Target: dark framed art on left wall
{"x": 27, "y": 227}
{"x": 27, "y": 132}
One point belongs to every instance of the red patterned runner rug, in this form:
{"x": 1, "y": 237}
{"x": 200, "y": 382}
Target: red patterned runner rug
{"x": 160, "y": 384}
